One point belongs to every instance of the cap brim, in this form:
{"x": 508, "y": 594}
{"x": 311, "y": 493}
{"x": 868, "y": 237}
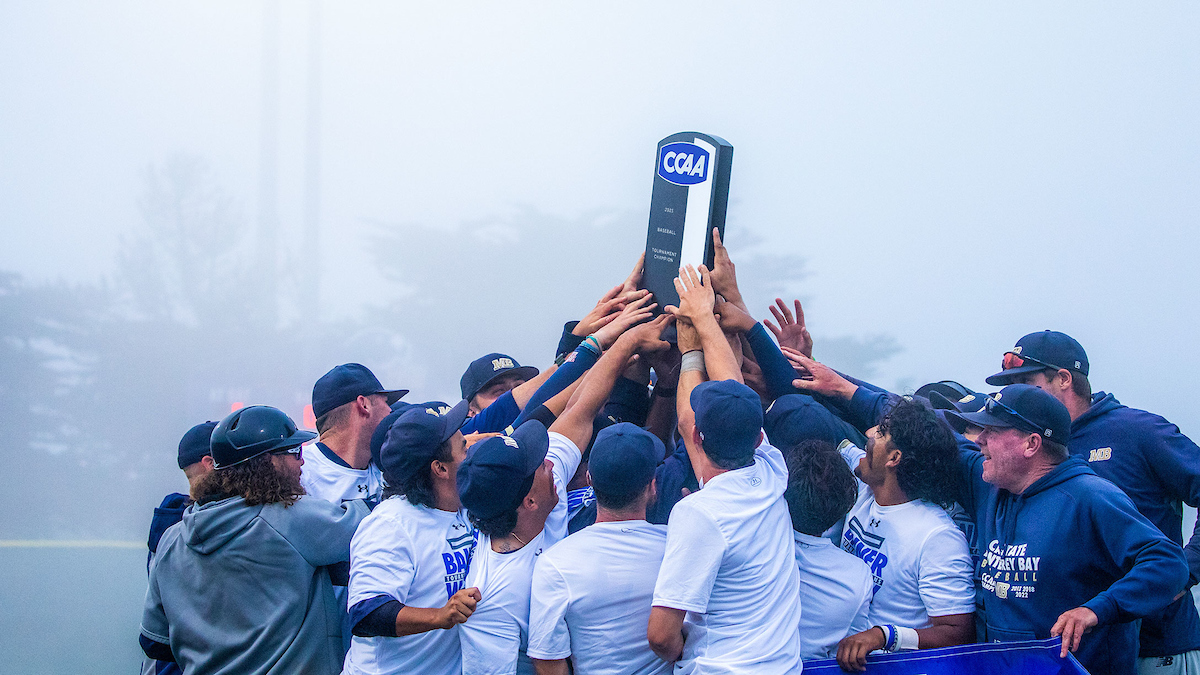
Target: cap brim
{"x": 939, "y": 401}
{"x": 453, "y": 420}
{"x": 981, "y": 419}
{"x": 527, "y": 372}
{"x": 393, "y": 395}
{"x": 1006, "y": 377}
{"x": 536, "y": 443}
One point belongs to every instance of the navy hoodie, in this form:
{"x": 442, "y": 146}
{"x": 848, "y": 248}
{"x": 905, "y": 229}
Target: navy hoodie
{"x": 1158, "y": 467}
{"x": 1071, "y": 539}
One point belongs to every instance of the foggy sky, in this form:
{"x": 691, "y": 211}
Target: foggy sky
{"x": 954, "y": 175}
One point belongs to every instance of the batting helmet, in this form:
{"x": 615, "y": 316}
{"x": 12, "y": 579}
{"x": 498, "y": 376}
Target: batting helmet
{"x": 250, "y": 432}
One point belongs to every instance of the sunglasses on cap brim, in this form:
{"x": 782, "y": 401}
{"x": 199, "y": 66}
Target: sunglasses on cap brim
{"x": 993, "y": 406}
{"x": 1013, "y": 360}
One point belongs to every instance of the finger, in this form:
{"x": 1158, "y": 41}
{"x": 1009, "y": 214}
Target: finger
{"x": 803, "y": 385}
{"x": 468, "y": 601}
{"x": 680, "y": 285}
{"x": 688, "y": 273}
{"x": 779, "y": 316}
{"x": 771, "y": 327}
{"x": 1076, "y": 634}
{"x": 799, "y": 313}
{"x": 718, "y": 245}
{"x": 637, "y": 304}
{"x": 636, "y": 274}
{"x": 604, "y": 321}
{"x": 672, "y": 309}
{"x": 473, "y": 592}
{"x": 704, "y": 276}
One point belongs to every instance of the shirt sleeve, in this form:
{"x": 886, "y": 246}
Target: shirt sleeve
{"x": 695, "y": 549}
{"x": 494, "y": 418}
{"x": 565, "y": 457}
{"x": 1175, "y": 461}
{"x": 154, "y": 617}
{"x": 944, "y": 579}
{"x": 1154, "y": 567}
{"x": 549, "y": 636}
{"x": 381, "y": 562}
{"x": 320, "y": 531}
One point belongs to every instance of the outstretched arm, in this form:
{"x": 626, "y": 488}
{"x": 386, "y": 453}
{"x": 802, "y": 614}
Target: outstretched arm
{"x": 576, "y": 421}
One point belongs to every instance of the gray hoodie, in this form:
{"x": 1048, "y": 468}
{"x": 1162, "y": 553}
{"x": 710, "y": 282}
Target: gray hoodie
{"x": 243, "y": 589}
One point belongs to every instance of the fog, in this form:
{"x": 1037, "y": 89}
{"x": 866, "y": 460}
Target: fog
{"x": 210, "y": 204}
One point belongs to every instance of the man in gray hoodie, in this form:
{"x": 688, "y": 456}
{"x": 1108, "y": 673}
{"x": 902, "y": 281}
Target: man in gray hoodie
{"x": 241, "y": 585}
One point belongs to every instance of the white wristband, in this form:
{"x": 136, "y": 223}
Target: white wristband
{"x": 906, "y": 638}
{"x": 692, "y": 361}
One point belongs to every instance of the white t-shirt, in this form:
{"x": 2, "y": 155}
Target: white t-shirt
{"x": 495, "y": 637}
{"x": 835, "y": 592}
{"x": 730, "y": 563}
{"x": 917, "y": 556}
{"x": 591, "y": 599}
{"x": 420, "y": 557}
{"x": 327, "y": 476}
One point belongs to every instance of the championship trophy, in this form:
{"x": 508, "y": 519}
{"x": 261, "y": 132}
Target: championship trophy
{"x": 691, "y": 191}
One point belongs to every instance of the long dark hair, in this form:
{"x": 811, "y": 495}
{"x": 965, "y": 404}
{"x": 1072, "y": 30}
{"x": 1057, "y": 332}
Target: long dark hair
{"x": 256, "y": 480}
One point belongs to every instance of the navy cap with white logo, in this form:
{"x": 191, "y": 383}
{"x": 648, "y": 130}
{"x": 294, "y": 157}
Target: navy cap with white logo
{"x": 380, "y": 434}
{"x": 487, "y": 368}
{"x": 1039, "y": 351}
{"x": 1024, "y": 407}
{"x": 624, "y": 458}
{"x": 498, "y": 472}
{"x": 345, "y": 383}
{"x": 729, "y": 416}
{"x": 967, "y": 404}
{"x": 413, "y": 439}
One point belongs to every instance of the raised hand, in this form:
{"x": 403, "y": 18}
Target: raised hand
{"x": 733, "y": 319}
{"x": 724, "y": 274}
{"x": 791, "y": 332}
{"x": 696, "y": 296}
{"x": 817, "y": 378}
{"x": 631, "y": 283}
{"x": 646, "y": 338}
{"x": 605, "y": 310}
{"x": 635, "y": 312}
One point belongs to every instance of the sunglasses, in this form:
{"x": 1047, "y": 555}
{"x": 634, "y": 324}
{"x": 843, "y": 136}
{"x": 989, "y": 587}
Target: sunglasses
{"x": 993, "y": 406}
{"x": 294, "y": 452}
{"x": 1012, "y": 360}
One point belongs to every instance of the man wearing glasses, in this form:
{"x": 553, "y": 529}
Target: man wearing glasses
{"x": 241, "y": 585}
{"x": 1065, "y": 552}
{"x": 1144, "y": 455}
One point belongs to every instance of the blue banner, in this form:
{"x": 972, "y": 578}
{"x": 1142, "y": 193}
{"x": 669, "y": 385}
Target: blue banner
{"x": 1033, "y": 657}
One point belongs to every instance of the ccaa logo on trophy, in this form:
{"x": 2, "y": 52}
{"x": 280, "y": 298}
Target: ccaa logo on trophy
{"x": 691, "y": 193}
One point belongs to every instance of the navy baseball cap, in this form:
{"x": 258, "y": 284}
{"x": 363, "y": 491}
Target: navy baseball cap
{"x": 417, "y": 432}
{"x": 488, "y": 367}
{"x": 380, "y": 434}
{"x": 1024, "y": 407}
{"x": 498, "y": 472}
{"x": 346, "y": 383}
{"x": 624, "y": 458}
{"x": 194, "y": 447}
{"x": 970, "y": 403}
{"x": 795, "y": 418}
{"x": 1039, "y": 351}
{"x": 729, "y": 416}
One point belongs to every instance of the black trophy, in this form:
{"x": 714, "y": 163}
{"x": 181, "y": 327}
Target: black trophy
{"x": 691, "y": 191}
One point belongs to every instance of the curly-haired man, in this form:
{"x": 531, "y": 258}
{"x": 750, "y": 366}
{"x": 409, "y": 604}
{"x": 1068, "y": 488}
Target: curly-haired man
{"x": 924, "y": 595}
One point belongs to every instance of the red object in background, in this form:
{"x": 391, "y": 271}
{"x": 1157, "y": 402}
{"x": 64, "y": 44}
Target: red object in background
{"x": 236, "y": 406}
{"x": 310, "y": 419}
